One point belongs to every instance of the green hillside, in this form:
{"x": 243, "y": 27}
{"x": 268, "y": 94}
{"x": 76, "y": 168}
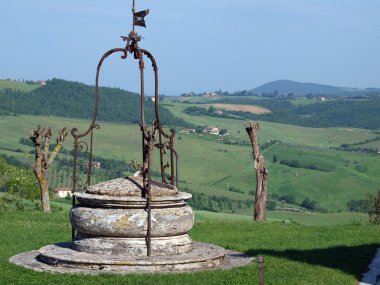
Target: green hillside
{"x": 211, "y": 168}
{"x": 76, "y": 100}
{"x": 17, "y": 85}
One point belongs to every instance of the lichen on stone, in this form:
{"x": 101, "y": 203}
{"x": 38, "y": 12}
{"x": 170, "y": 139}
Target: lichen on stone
{"x": 131, "y": 186}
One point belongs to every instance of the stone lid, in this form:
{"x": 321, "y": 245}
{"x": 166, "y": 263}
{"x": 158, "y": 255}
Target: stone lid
{"x": 130, "y": 186}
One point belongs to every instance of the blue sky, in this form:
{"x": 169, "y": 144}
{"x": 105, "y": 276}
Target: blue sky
{"x": 199, "y": 45}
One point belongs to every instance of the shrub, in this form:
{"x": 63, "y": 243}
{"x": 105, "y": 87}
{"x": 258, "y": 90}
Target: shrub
{"x": 271, "y": 205}
{"x": 10, "y": 202}
{"x": 374, "y": 209}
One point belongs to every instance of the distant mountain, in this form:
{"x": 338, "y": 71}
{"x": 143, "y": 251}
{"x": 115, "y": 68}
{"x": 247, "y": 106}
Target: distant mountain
{"x": 283, "y": 87}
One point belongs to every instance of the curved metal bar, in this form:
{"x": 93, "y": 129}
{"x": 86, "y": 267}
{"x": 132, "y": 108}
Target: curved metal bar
{"x": 176, "y": 168}
{"x": 93, "y": 122}
{"x": 155, "y": 69}
{"x": 161, "y": 130}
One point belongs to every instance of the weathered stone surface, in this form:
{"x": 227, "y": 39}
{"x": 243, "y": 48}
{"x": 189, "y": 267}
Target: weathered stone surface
{"x": 201, "y": 256}
{"x": 131, "y": 186}
{"x": 111, "y": 235}
{"x": 31, "y": 260}
{"x": 104, "y": 201}
{"x": 129, "y": 223}
{"x": 132, "y": 246}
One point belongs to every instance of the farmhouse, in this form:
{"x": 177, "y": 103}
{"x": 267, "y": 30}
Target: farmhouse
{"x": 40, "y": 82}
{"x": 94, "y": 164}
{"x": 62, "y": 192}
{"x": 211, "y": 130}
{"x": 211, "y": 94}
{"x": 187, "y": 131}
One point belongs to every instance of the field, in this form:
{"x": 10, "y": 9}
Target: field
{"x": 235, "y": 107}
{"x": 305, "y": 219}
{"x": 319, "y": 137}
{"x": 294, "y": 254}
{"x": 17, "y": 85}
{"x": 203, "y": 167}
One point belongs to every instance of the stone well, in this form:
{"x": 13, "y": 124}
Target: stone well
{"x": 111, "y": 218}
{"x": 133, "y": 224}
{"x": 110, "y": 223}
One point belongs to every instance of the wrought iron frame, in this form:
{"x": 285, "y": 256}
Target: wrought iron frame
{"x": 149, "y": 137}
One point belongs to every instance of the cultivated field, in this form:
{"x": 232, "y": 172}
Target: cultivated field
{"x": 319, "y": 137}
{"x": 235, "y": 107}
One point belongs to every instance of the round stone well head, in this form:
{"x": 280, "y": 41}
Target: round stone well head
{"x": 111, "y": 218}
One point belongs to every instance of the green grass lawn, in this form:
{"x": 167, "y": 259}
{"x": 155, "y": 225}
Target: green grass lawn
{"x": 306, "y": 219}
{"x": 294, "y": 254}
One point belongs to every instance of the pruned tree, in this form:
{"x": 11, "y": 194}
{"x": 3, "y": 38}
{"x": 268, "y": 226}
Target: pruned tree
{"x": 41, "y": 138}
{"x": 261, "y": 173}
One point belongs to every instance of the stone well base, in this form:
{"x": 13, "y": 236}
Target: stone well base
{"x": 61, "y": 258}
{"x": 171, "y": 245}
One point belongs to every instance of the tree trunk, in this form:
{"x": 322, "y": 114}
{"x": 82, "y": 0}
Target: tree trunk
{"x": 261, "y": 174}
{"x": 43, "y": 161}
{"x": 45, "y": 199}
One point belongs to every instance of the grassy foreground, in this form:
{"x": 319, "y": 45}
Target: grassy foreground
{"x": 294, "y": 254}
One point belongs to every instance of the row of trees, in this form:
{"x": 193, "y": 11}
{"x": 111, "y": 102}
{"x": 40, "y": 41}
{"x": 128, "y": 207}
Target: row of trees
{"x": 300, "y": 164}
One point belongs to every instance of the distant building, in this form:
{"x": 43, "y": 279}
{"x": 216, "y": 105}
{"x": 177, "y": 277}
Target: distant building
{"x": 322, "y": 99}
{"x": 211, "y": 130}
{"x": 40, "y": 82}
{"x": 94, "y": 164}
{"x": 62, "y": 192}
{"x": 210, "y": 94}
{"x": 187, "y": 131}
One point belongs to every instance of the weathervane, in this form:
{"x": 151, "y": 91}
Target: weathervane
{"x": 152, "y": 138}
{"x": 138, "y": 19}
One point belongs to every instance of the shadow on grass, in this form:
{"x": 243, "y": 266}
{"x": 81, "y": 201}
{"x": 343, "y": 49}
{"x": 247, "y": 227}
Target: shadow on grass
{"x": 353, "y": 260}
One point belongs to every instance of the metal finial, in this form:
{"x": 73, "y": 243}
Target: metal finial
{"x": 133, "y": 15}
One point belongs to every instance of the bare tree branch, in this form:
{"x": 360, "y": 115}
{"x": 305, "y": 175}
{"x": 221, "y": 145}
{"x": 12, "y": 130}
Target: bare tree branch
{"x": 60, "y": 139}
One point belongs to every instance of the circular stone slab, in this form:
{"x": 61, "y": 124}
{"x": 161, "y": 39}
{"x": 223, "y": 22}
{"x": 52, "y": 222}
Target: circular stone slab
{"x": 202, "y": 255}
{"x": 132, "y": 246}
{"x": 105, "y": 201}
{"x": 183, "y": 263}
{"x": 131, "y": 186}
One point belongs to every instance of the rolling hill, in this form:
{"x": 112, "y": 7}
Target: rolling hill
{"x": 283, "y": 87}
{"x": 76, "y": 100}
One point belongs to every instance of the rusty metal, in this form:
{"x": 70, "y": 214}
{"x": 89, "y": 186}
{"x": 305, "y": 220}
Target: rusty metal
{"x": 260, "y": 261}
{"x": 148, "y": 137}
